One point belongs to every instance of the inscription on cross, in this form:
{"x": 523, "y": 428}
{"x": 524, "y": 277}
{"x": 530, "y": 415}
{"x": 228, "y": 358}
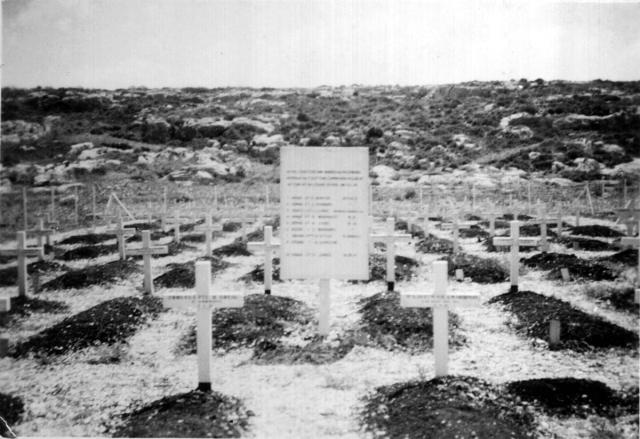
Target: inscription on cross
{"x": 204, "y": 302}
{"x": 22, "y": 252}
{"x": 146, "y": 251}
{"x": 389, "y": 238}
{"x": 440, "y": 302}
{"x": 268, "y": 246}
{"x": 515, "y": 242}
{"x": 121, "y": 233}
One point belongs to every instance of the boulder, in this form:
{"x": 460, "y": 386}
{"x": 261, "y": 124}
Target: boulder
{"x": 155, "y": 130}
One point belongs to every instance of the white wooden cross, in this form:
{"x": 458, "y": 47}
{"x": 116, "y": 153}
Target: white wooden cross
{"x": 41, "y": 232}
{"x": 267, "y": 246}
{"x": 455, "y": 227}
{"x": 440, "y": 301}
{"x": 121, "y": 233}
{"x": 390, "y": 238}
{"x": 204, "y": 301}
{"x": 515, "y": 242}
{"x": 146, "y": 251}
{"x": 22, "y": 252}
{"x": 208, "y": 228}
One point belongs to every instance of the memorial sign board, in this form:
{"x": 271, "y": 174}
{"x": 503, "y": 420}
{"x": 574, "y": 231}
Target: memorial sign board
{"x": 324, "y": 211}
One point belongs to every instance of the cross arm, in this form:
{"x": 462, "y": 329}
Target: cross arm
{"x": 426, "y": 300}
{"x": 141, "y": 251}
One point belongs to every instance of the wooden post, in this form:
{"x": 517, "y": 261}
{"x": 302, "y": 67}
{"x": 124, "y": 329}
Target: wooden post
{"x": 589, "y": 200}
{"x": 324, "y": 306}
{"x": 24, "y": 209}
{"x": 93, "y": 207}
{"x": 515, "y": 255}
{"x": 554, "y": 332}
{"x": 456, "y": 235}
{"x": 75, "y": 206}
{"x": 390, "y": 238}
{"x": 53, "y": 203}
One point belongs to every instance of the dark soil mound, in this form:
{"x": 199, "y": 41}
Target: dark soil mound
{"x": 575, "y": 397}
{"x": 579, "y": 330}
{"x": 620, "y": 296}
{"x": 93, "y": 275}
{"x": 405, "y": 267}
{"x": 184, "y": 275}
{"x": 145, "y": 226}
{"x": 473, "y": 232}
{"x": 627, "y": 257}
{"x": 443, "y": 408}
{"x": 155, "y": 236}
{"x": 498, "y": 224}
{"x": 521, "y": 217}
{"x": 594, "y": 245}
{"x": 488, "y": 246}
{"x": 484, "y": 271}
{"x": 109, "y": 322}
{"x": 89, "y": 238}
{"x": 9, "y": 275}
{"x": 263, "y": 317}
{"x": 236, "y": 248}
{"x": 89, "y": 252}
{"x": 433, "y": 244}
{"x": 257, "y": 274}
{"x": 471, "y": 217}
{"x": 11, "y": 408}
{"x": 596, "y": 230}
{"x": 24, "y": 306}
{"x": 529, "y": 230}
{"x": 391, "y": 326}
{"x": 318, "y": 351}
{"x": 231, "y": 226}
{"x": 578, "y": 268}
{"x": 192, "y": 414}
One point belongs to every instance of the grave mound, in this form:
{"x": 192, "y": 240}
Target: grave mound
{"x": 317, "y": 351}
{"x": 145, "y": 226}
{"x": 575, "y": 397}
{"x": 620, "y": 296}
{"x": 89, "y": 238}
{"x": 403, "y": 226}
{"x": 578, "y": 268}
{"x": 489, "y": 247}
{"x": 231, "y": 226}
{"x": 498, "y": 224}
{"x": 533, "y": 230}
{"x": 191, "y": 414}
{"x": 484, "y": 271}
{"x": 11, "y": 408}
{"x": 89, "y": 252}
{"x": 445, "y": 407}
{"x": 155, "y": 236}
{"x": 627, "y": 257}
{"x": 473, "y": 232}
{"x": 93, "y": 275}
{"x": 471, "y": 217}
{"x": 405, "y": 267}
{"x": 263, "y": 317}
{"x": 109, "y": 322}
{"x": 9, "y": 275}
{"x": 390, "y": 326}
{"x": 6, "y": 259}
{"x": 25, "y": 306}
{"x": 433, "y": 244}
{"x": 184, "y": 275}
{"x": 587, "y": 244}
{"x": 236, "y": 248}
{"x": 257, "y": 274}
{"x": 579, "y": 330}
{"x": 510, "y": 217}
{"x": 596, "y": 230}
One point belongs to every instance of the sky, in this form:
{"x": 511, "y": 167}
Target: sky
{"x": 306, "y": 43}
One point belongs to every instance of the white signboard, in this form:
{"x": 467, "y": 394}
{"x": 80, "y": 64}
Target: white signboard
{"x": 324, "y": 212}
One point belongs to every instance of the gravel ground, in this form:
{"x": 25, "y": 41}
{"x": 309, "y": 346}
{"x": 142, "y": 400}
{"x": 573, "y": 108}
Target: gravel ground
{"x": 77, "y": 395}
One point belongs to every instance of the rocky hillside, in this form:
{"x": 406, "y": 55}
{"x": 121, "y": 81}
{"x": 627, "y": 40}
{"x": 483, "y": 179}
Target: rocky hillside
{"x": 575, "y": 131}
